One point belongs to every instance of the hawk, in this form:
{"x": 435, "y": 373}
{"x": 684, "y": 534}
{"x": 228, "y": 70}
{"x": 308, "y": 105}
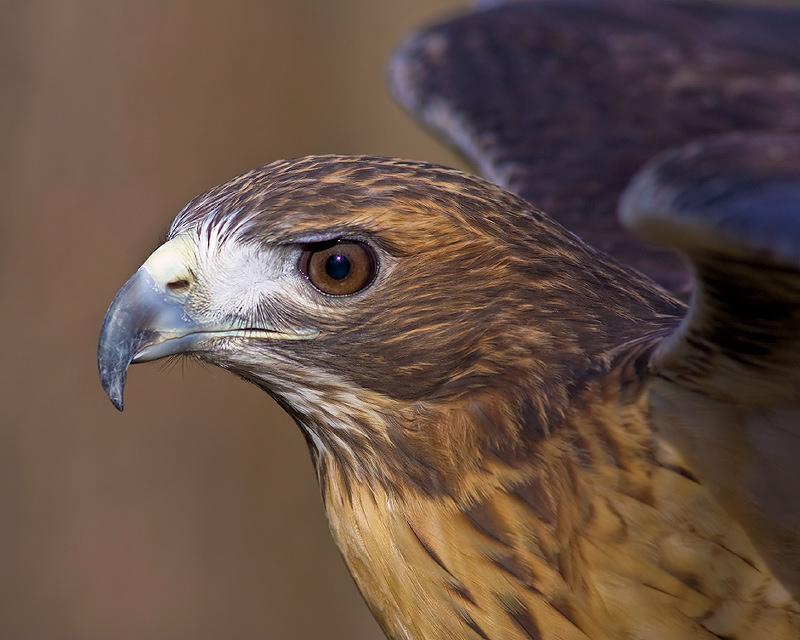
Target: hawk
{"x": 515, "y": 434}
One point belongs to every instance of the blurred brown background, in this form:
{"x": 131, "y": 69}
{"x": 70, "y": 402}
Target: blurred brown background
{"x": 195, "y": 513}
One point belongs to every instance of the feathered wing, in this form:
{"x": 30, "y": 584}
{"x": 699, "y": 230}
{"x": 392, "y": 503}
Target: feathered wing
{"x": 562, "y": 101}
{"x": 726, "y": 389}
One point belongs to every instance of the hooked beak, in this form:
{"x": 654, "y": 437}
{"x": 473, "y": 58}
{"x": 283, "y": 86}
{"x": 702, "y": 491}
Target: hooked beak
{"x": 147, "y": 319}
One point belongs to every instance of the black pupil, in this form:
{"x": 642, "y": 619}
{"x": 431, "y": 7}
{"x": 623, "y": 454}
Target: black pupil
{"x": 337, "y": 266}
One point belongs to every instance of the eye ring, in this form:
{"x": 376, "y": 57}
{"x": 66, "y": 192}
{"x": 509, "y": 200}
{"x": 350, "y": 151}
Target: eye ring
{"x": 338, "y": 267}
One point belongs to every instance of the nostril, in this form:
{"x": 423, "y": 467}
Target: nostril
{"x": 178, "y": 286}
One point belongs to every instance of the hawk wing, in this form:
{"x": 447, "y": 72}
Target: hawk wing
{"x": 726, "y": 388}
{"x": 562, "y": 101}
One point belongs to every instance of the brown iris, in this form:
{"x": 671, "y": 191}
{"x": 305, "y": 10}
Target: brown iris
{"x": 338, "y": 267}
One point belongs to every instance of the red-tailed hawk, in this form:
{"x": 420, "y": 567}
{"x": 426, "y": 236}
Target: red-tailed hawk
{"x": 516, "y": 436}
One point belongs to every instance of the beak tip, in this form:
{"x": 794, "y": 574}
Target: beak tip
{"x": 113, "y": 383}
{"x": 117, "y": 402}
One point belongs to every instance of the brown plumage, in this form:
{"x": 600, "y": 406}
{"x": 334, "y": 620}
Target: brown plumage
{"x": 517, "y": 437}
{"x": 482, "y": 404}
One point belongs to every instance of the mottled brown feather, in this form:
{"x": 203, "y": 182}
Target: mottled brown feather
{"x": 507, "y": 482}
{"x": 479, "y": 416}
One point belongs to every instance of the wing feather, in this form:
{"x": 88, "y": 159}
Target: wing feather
{"x": 727, "y": 386}
{"x": 562, "y": 102}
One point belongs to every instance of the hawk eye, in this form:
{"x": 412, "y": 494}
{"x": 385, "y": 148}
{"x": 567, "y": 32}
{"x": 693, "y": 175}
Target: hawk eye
{"x": 338, "y": 267}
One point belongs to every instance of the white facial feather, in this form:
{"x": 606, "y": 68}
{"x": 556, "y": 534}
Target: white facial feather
{"x": 243, "y": 278}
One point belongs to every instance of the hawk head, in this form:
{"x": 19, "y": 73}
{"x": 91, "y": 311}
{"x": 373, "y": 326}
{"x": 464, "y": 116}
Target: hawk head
{"x": 365, "y": 293}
